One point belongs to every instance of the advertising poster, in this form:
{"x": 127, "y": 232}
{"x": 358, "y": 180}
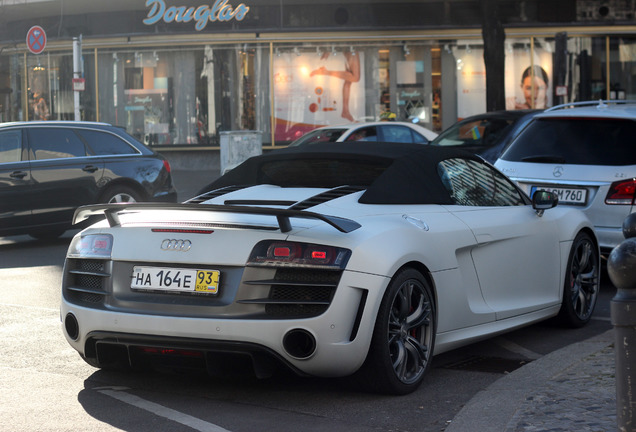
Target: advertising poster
{"x": 518, "y": 79}
{"x": 317, "y": 89}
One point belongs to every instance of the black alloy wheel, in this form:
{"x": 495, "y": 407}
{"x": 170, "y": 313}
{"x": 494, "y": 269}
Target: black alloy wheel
{"x": 403, "y": 339}
{"x": 582, "y": 281}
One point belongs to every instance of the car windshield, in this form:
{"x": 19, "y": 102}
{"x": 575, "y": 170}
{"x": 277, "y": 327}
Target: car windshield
{"x": 482, "y": 132}
{"x": 319, "y": 135}
{"x": 580, "y": 141}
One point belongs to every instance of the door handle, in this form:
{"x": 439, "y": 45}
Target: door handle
{"x": 90, "y": 168}
{"x": 18, "y": 174}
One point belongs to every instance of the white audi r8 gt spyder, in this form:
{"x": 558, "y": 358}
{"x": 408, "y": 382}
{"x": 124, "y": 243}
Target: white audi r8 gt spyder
{"x": 334, "y": 259}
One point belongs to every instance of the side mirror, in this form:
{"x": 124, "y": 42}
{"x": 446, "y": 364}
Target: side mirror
{"x": 543, "y": 200}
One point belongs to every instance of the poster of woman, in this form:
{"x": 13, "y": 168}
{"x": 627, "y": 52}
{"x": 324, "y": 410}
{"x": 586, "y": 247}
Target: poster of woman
{"x": 312, "y": 90}
{"x": 528, "y": 84}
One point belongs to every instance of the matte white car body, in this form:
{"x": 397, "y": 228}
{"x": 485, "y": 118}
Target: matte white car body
{"x": 491, "y": 269}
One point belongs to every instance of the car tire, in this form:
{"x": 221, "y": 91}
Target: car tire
{"x": 403, "y": 338}
{"x": 120, "y": 195}
{"x": 582, "y": 279}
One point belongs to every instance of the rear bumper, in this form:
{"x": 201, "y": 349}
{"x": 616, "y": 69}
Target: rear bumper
{"x": 341, "y": 335}
{"x": 608, "y": 238}
{"x": 217, "y": 358}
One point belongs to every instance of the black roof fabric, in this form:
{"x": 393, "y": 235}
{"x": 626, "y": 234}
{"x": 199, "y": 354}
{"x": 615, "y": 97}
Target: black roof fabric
{"x": 393, "y": 173}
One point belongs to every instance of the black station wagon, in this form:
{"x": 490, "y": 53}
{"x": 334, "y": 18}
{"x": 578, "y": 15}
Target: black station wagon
{"x": 49, "y": 168}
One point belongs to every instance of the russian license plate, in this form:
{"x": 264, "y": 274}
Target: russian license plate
{"x": 175, "y": 280}
{"x": 565, "y": 195}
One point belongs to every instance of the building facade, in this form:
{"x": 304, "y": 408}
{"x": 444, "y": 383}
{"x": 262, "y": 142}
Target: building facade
{"x": 176, "y": 73}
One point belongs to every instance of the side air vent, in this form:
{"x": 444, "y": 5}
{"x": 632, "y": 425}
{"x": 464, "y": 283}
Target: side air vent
{"x": 326, "y": 196}
{"x": 213, "y": 194}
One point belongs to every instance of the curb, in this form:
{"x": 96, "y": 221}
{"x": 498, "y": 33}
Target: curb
{"x": 493, "y": 409}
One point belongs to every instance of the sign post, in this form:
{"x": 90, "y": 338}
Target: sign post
{"x": 77, "y": 72}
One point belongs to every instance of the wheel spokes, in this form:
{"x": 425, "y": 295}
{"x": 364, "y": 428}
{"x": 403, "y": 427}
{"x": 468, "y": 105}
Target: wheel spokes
{"x": 584, "y": 280}
{"x": 410, "y": 331}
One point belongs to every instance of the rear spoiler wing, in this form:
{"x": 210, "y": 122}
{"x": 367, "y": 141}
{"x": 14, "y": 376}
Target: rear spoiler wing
{"x": 112, "y": 212}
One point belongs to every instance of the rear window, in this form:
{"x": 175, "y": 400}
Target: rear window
{"x": 481, "y": 132}
{"x": 577, "y": 141}
{"x": 324, "y": 173}
{"x": 104, "y": 143}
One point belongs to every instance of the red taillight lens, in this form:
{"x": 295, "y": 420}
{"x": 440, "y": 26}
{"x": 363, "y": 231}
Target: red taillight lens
{"x": 621, "y": 193}
{"x": 284, "y": 253}
{"x": 166, "y": 165}
{"x": 91, "y": 245}
{"x": 317, "y": 254}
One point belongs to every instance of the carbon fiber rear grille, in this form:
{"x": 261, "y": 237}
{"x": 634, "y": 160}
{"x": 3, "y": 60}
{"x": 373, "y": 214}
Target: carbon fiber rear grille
{"x": 213, "y": 194}
{"x": 297, "y": 292}
{"x": 326, "y": 196}
{"x": 85, "y": 281}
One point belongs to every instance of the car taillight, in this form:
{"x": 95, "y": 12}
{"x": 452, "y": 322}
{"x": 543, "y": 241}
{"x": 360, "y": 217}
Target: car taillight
{"x": 284, "y": 253}
{"x": 621, "y": 193}
{"x": 166, "y": 165}
{"x": 91, "y": 246}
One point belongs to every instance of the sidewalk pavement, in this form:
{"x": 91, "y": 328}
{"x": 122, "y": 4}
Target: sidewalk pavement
{"x": 571, "y": 389}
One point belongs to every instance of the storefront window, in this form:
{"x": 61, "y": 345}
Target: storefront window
{"x": 471, "y": 78}
{"x": 319, "y": 85}
{"x": 185, "y": 96}
{"x": 167, "y": 97}
{"x": 623, "y": 68}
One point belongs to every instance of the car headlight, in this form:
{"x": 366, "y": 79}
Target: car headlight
{"x": 91, "y": 246}
{"x": 294, "y": 254}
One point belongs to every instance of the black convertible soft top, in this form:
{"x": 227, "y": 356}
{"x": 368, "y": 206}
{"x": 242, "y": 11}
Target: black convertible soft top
{"x": 392, "y": 173}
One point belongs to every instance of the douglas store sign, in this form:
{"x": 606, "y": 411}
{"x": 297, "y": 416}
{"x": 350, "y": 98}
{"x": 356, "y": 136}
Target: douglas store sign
{"x": 221, "y": 10}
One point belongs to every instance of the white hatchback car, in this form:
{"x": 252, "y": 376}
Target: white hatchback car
{"x": 383, "y": 131}
{"x": 585, "y": 153}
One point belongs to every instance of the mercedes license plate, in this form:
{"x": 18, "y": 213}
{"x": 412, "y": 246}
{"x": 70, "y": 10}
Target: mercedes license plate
{"x": 175, "y": 280}
{"x": 574, "y": 196}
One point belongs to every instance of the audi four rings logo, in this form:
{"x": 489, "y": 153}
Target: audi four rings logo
{"x": 176, "y": 245}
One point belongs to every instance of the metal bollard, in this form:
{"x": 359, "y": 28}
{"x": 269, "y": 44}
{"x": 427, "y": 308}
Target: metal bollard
{"x": 621, "y": 267}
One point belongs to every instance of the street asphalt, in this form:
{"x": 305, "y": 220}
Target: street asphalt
{"x": 571, "y": 389}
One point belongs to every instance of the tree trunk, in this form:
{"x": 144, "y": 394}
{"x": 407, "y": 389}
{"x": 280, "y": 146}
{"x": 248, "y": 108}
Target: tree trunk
{"x": 494, "y": 58}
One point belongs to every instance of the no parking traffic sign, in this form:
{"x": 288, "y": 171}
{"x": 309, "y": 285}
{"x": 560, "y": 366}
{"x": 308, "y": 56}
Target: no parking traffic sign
{"x": 36, "y": 39}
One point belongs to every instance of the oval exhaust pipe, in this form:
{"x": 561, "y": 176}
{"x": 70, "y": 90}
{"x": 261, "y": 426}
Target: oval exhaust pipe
{"x": 71, "y": 326}
{"x": 299, "y": 344}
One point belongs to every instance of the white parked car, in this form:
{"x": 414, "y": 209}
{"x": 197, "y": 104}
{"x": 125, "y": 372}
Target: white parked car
{"x": 384, "y": 131}
{"x": 364, "y": 258}
{"x": 584, "y": 153}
